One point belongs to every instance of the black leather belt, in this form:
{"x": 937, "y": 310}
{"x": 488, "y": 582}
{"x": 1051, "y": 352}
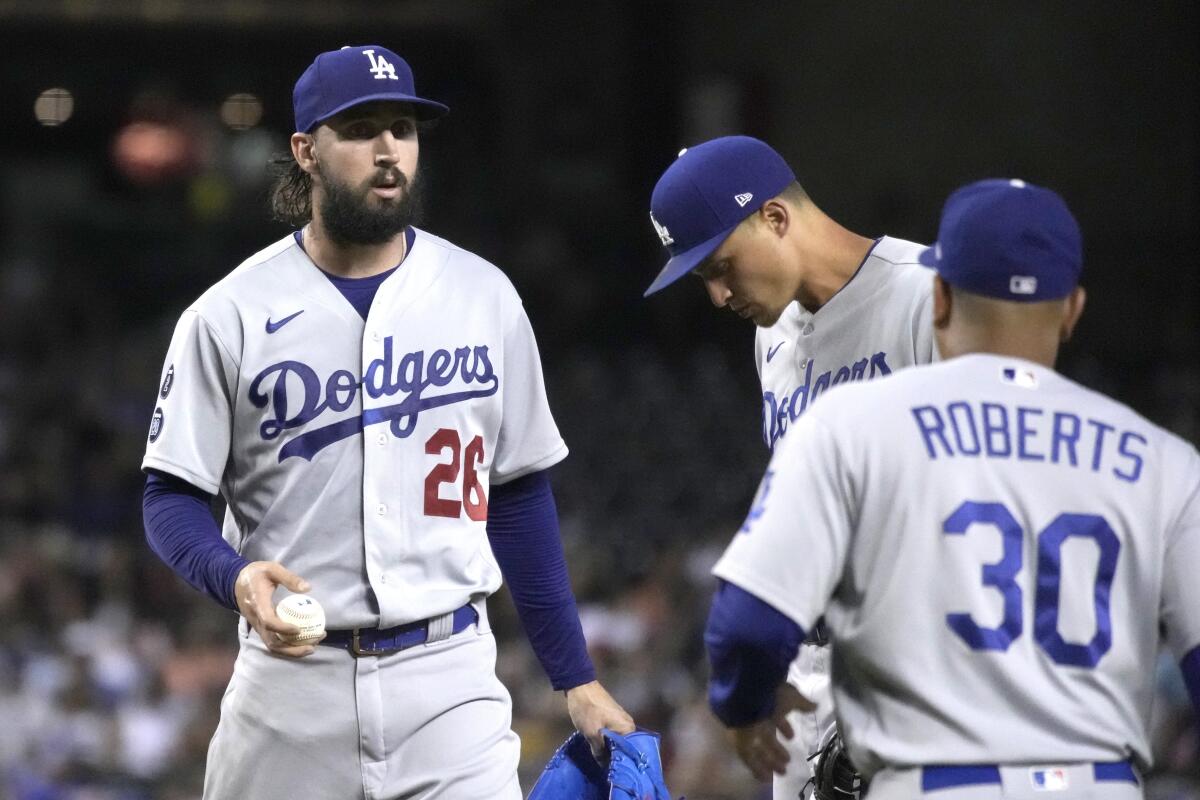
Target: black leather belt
{"x": 382, "y": 641}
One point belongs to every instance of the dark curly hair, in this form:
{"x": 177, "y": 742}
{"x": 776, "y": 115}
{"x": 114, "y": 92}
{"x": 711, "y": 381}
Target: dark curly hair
{"x": 291, "y": 191}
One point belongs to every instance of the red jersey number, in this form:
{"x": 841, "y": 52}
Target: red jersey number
{"x": 466, "y": 461}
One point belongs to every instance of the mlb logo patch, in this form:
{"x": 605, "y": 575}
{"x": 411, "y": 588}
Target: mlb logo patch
{"x": 1053, "y": 779}
{"x": 1025, "y": 378}
{"x": 1022, "y": 284}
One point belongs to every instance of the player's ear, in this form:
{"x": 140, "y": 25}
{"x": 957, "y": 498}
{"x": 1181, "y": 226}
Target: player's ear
{"x": 302, "y": 151}
{"x": 942, "y": 300}
{"x": 1074, "y": 310}
{"x": 775, "y": 215}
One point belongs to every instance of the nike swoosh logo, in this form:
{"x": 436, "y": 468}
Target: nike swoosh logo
{"x": 274, "y": 326}
{"x": 771, "y": 353}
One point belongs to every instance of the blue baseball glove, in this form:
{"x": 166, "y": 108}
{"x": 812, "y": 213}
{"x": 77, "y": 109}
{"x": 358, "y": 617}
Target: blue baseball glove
{"x": 634, "y": 771}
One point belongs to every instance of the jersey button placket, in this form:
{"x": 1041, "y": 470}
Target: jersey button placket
{"x": 382, "y": 472}
{"x": 805, "y": 330}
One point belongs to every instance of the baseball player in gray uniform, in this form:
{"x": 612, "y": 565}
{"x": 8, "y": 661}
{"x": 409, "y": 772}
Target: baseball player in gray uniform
{"x": 368, "y": 399}
{"x": 831, "y": 307}
{"x": 999, "y": 552}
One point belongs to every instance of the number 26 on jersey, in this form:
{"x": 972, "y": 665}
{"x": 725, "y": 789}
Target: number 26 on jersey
{"x": 462, "y": 460}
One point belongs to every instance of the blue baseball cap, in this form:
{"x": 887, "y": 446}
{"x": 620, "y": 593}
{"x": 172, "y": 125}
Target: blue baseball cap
{"x": 706, "y": 193}
{"x": 343, "y": 78}
{"x": 1008, "y": 239}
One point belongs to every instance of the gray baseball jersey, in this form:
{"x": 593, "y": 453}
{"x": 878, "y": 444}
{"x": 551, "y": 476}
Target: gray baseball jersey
{"x": 359, "y": 453}
{"x": 995, "y": 549}
{"x": 878, "y": 322}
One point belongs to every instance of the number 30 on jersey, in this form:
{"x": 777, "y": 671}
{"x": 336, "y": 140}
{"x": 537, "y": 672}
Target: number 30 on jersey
{"x": 1002, "y": 576}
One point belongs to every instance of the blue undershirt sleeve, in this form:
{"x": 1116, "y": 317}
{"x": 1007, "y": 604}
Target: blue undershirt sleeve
{"x": 1190, "y": 664}
{"x": 180, "y": 529}
{"x": 750, "y": 645}
{"x": 522, "y": 528}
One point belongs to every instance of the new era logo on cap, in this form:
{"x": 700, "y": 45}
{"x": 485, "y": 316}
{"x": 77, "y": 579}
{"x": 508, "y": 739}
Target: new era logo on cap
{"x": 743, "y": 199}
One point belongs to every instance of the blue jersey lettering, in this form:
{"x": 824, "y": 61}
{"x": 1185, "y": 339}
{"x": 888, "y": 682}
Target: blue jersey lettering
{"x": 781, "y": 410}
{"x": 993, "y": 430}
{"x": 411, "y": 376}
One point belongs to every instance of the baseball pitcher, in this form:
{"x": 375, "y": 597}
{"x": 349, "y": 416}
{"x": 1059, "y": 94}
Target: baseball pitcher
{"x": 831, "y": 307}
{"x": 368, "y": 399}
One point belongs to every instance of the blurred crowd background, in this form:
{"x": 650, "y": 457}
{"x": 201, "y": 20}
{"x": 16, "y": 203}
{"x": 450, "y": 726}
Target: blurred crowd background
{"x": 135, "y": 138}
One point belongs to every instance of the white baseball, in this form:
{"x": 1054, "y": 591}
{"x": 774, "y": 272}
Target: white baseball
{"x": 305, "y": 613}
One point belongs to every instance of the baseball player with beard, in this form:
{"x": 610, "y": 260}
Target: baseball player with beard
{"x": 1000, "y": 552}
{"x": 831, "y": 307}
{"x": 368, "y": 399}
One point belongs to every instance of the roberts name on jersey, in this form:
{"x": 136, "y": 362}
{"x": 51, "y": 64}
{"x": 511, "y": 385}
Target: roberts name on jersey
{"x": 966, "y": 429}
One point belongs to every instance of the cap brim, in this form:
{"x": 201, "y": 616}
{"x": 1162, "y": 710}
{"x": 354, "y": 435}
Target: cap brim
{"x": 425, "y": 109}
{"x": 928, "y": 256}
{"x": 683, "y": 263}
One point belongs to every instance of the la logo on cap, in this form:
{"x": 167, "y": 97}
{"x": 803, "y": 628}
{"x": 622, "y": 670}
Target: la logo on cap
{"x": 381, "y": 68}
{"x": 663, "y": 234}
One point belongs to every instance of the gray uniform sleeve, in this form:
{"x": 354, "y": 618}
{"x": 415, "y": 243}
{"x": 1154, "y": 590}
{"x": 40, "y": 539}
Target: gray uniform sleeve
{"x": 529, "y": 440}
{"x": 193, "y": 421}
{"x": 792, "y": 549}
{"x": 924, "y": 343}
{"x": 1180, "y": 610}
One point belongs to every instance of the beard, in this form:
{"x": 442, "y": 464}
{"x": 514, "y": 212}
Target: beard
{"x": 350, "y": 218}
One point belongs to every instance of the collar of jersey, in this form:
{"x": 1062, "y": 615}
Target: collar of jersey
{"x": 410, "y": 237}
